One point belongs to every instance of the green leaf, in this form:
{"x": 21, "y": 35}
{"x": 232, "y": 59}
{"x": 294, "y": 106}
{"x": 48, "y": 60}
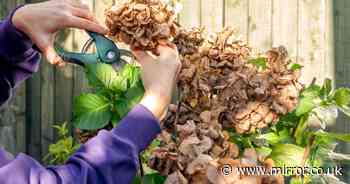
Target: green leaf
{"x": 92, "y": 111}
{"x": 260, "y": 62}
{"x": 296, "y": 180}
{"x": 326, "y": 88}
{"x": 305, "y": 105}
{"x": 264, "y": 151}
{"x": 115, "y": 119}
{"x": 296, "y": 66}
{"x": 275, "y": 138}
{"x": 271, "y": 138}
{"x": 287, "y": 121}
{"x": 288, "y": 155}
{"x": 342, "y": 97}
{"x": 135, "y": 94}
{"x": 338, "y": 136}
{"x": 103, "y": 76}
{"x": 300, "y": 130}
{"x": 150, "y": 179}
{"x": 60, "y": 151}
{"x": 62, "y": 129}
{"x": 122, "y": 108}
{"x": 312, "y": 91}
{"x": 132, "y": 73}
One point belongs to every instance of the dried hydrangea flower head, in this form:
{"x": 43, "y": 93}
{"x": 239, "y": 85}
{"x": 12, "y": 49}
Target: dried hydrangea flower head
{"x": 142, "y": 24}
{"x": 219, "y": 80}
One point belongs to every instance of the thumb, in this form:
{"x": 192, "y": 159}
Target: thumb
{"x": 52, "y": 57}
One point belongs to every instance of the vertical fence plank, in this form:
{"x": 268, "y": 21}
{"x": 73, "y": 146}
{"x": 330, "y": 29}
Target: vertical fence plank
{"x": 311, "y": 40}
{"x": 64, "y": 84}
{"x": 342, "y": 70}
{"x": 342, "y": 67}
{"x": 20, "y": 101}
{"x": 34, "y": 116}
{"x": 329, "y": 64}
{"x": 212, "y": 15}
{"x": 47, "y": 104}
{"x": 190, "y": 15}
{"x": 285, "y": 29}
{"x": 236, "y": 16}
{"x": 260, "y": 23}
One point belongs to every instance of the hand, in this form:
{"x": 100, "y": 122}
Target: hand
{"x": 41, "y": 21}
{"x": 159, "y": 75}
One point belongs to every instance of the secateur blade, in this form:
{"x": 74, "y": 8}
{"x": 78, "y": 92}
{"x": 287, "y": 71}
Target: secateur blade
{"x": 106, "y": 52}
{"x": 76, "y": 58}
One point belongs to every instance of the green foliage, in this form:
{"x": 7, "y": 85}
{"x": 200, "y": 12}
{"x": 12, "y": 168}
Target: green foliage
{"x": 292, "y": 137}
{"x": 295, "y": 66}
{"x": 63, "y": 148}
{"x": 150, "y": 179}
{"x": 286, "y": 142}
{"x": 287, "y": 155}
{"x": 92, "y": 111}
{"x": 115, "y": 94}
{"x": 259, "y": 62}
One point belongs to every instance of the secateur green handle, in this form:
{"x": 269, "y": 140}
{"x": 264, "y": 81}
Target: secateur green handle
{"x": 107, "y": 52}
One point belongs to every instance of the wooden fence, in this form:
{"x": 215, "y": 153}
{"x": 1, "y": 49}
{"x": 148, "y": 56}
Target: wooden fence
{"x": 314, "y": 31}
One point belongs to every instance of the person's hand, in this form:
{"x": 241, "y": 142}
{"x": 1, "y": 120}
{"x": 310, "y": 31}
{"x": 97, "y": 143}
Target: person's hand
{"x": 41, "y": 21}
{"x": 159, "y": 74}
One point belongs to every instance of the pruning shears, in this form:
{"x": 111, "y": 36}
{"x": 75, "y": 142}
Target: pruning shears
{"x": 106, "y": 52}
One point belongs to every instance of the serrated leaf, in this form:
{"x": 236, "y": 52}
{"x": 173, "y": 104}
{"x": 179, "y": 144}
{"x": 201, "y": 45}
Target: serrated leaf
{"x": 296, "y": 66}
{"x": 260, "y": 62}
{"x": 276, "y": 138}
{"x": 271, "y": 138}
{"x": 305, "y": 105}
{"x": 287, "y": 155}
{"x": 62, "y": 129}
{"x": 102, "y": 76}
{"x": 342, "y": 97}
{"x": 132, "y": 73}
{"x": 92, "y": 111}
{"x": 312, "y": 91}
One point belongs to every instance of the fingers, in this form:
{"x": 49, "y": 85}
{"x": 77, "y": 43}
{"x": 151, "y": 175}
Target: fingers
{"x": 82, "y": 13}
{"x": 81, "y": 23}
{"x": 82, "y": 4}
{"x": 52, "y": 56}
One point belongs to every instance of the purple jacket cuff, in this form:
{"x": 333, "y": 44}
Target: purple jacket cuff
{"x": 140, "y": 127}
{"x": 17, "y": 43}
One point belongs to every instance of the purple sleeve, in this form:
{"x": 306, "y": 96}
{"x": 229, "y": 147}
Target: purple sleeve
{"x": 109, "y": 158}
{"x": 18, "y": 59}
